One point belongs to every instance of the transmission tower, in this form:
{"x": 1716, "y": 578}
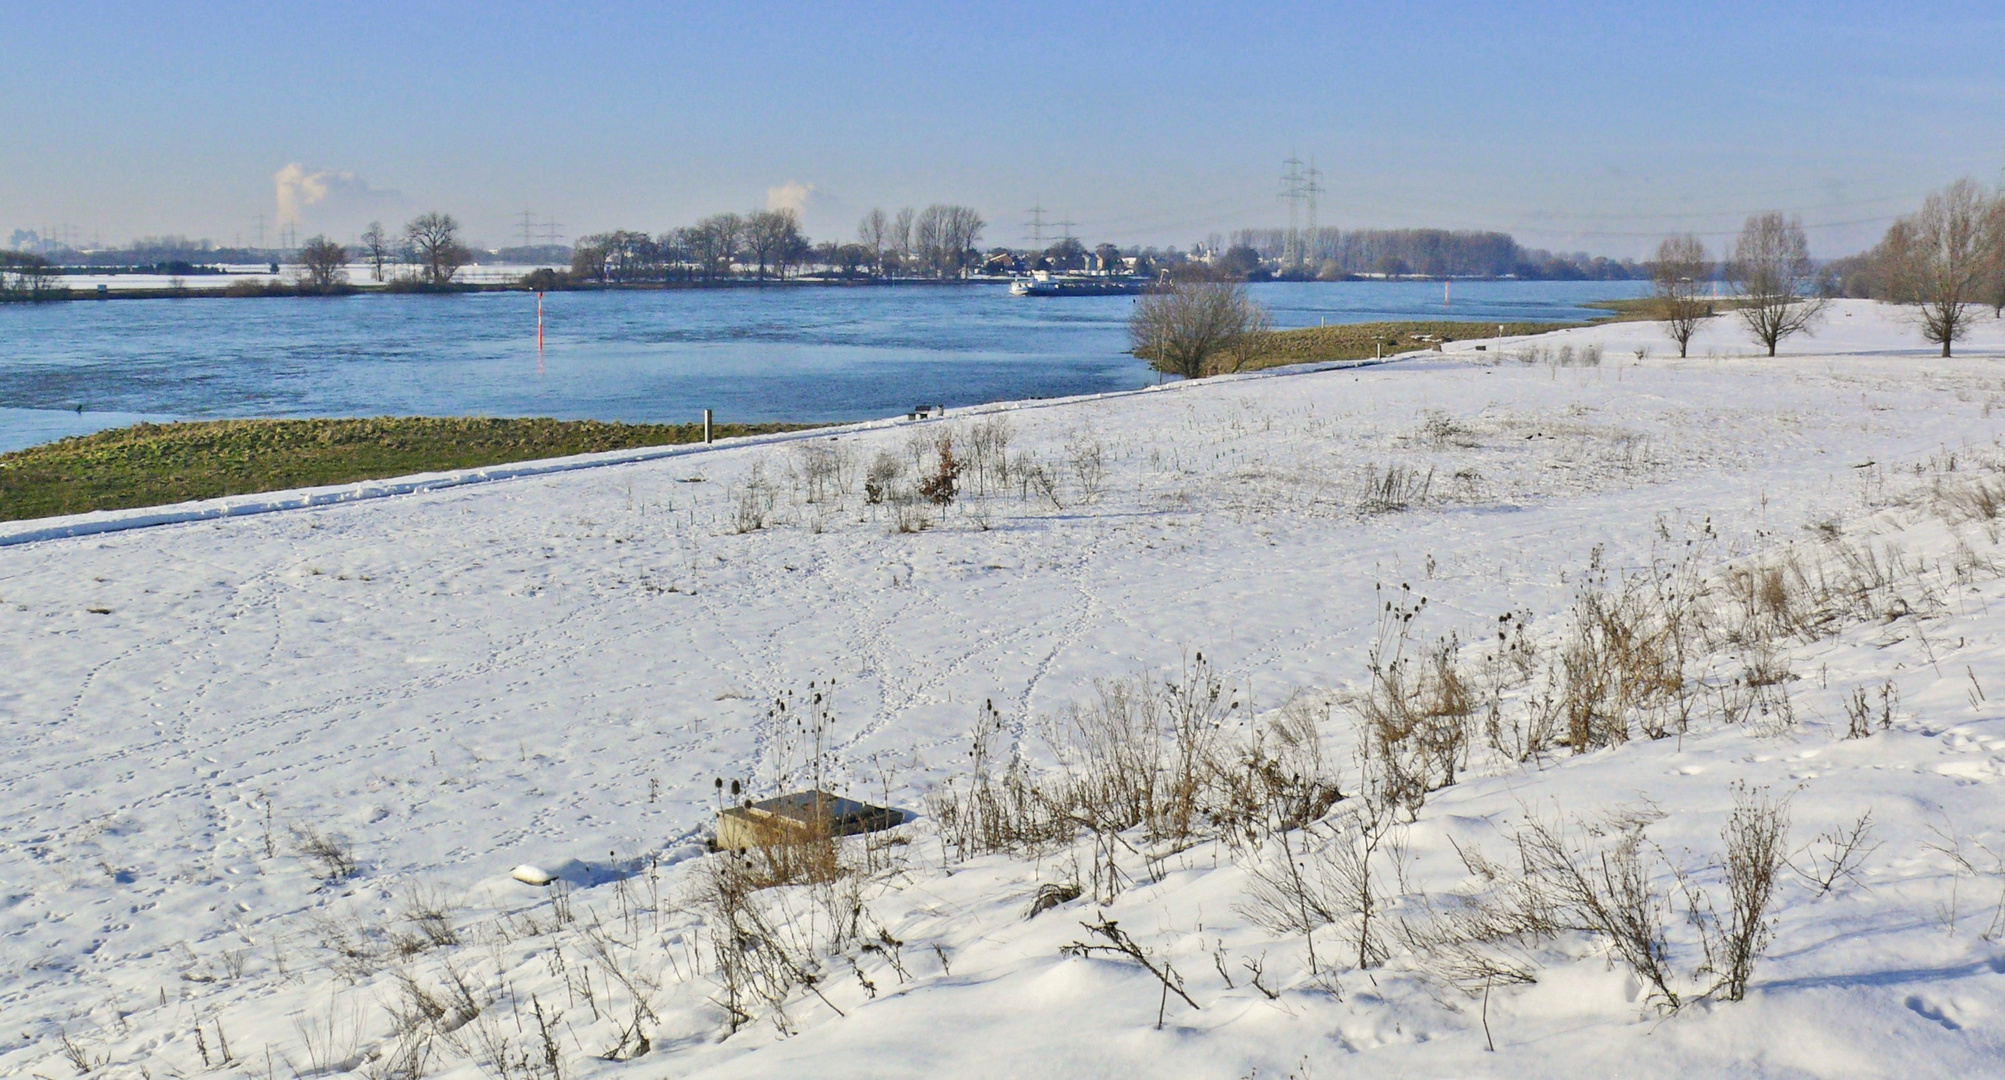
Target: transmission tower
{"x": 1310, "y": 189}
{"x": 1036, "y": 227}
{"x": 550, "y": 233}
{"x": 259, "y": 228}
{"x": 528, "y": 228}
{"x": 1066, "y": 225}
{"x": 1294, "y": 189}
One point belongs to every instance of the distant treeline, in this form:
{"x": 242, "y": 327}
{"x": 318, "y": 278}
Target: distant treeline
{"x": 181, "y": 255}
{"x": 1337, "y": 253}
{"x": 938, "y": 242}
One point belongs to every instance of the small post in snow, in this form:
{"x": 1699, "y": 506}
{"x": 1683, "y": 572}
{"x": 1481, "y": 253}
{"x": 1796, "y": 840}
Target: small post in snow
{"x": 706, "y": 425}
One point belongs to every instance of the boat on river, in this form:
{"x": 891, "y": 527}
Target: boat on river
{"x": 1046, "y": 283}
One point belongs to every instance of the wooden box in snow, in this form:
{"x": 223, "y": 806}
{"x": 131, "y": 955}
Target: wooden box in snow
{"x": 801, "y": 816}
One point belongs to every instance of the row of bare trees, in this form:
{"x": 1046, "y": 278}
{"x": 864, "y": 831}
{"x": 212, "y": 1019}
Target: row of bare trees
{"x": 430, "y": 243}
{"x": 938, "y": 241}
{"x": 766, "y": 243}
{"x": 1771, "y": 276}
{"x": 1946, "y": 261}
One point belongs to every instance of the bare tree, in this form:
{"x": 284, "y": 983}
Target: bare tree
{"x": 1937, "y": 259}
{"x": 902, "y": 234}
{"x": 1680, "y": 271}
{"x": 943, "y": 236}
{"x": 324, "y": 263}
{"x": 772, "y": 239}
{"x": 873, "y": 231}
{"x": 1993, "y": 292}
{"x": 714, "y": 243}
{"x": 27, "y": 276}
{"x": 435, "y": 246}
{"x": 375, "y": 248}
{"x": 1182, "y": 328}
{"x": 1771, "y": 264}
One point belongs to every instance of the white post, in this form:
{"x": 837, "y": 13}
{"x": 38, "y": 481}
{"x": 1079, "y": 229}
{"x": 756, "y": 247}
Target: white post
{"x": 706, "y": 425}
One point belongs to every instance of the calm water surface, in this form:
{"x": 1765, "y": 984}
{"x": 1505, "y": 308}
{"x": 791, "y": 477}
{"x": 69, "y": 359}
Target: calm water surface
{"x": 750, "y": 354}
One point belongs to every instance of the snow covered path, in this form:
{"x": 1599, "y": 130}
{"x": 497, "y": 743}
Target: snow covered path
{"x": 555, "y": 669}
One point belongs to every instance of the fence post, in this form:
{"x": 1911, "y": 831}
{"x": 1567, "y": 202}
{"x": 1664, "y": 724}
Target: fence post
{"x": 706, "y": 425}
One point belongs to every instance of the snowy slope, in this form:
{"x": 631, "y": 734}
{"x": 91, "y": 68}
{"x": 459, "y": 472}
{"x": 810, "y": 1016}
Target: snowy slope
{"x": 556, "y": 668}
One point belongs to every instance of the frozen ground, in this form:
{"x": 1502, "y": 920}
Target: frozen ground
{"x": 557, "y": 669}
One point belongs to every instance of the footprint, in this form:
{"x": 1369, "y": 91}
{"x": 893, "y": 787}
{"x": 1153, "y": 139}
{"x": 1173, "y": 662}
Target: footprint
{"x": 1932, "y": 1012}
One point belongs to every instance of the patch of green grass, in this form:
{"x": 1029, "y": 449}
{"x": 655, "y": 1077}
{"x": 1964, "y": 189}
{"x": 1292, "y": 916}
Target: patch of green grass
{"x": 152, "y": 464}
{"x": 1359, "y": 341}
{"x": 1639, "y": 309}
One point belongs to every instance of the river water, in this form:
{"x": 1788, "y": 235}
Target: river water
{"x": 790, "y": 353}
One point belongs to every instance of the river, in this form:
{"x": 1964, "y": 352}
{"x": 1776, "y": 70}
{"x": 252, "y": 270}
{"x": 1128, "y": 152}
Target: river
{"x": 788, "y": 353}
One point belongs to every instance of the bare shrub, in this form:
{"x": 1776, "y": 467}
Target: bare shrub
{"x": 1948, "y": 843}
{"x": 1623, "y": 656}
{"x": 1002, "y": 808}
{"x": 1756, "y": 837}
{"x": 1388, "y": 489}
{"x": 357, "y": 955}
{"x": 879, "y": 483}
{"x": 331, "y": 855}
{"x": 1088, "y": 462}
{"x": 1836, "y": 855}
{"x": 1190, "y": 326}
{"x": 1483, "y": 935}
{"x": 1442, "y": 431}
{"x": 426, "y": 923}
{"x": 1606, "y": 892}
{"x": 1119, "y": 941}
{"x": 988, "y": 451}
{"x": 762, "y": 953}
{"x": 912, "y": 514}
{"x": 1417, "y": 711}
{"x": 1171, "y": 758}
{"x": 1036, "y": 478}
{"x": 822, "y": 470}
{"x": 756, "y": 500}
{"x": 79, "y": 1058}
{"x": 1329, "y": 873}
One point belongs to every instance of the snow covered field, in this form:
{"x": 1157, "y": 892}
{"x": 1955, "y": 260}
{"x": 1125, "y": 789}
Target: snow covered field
{"x": 558, "y": 669}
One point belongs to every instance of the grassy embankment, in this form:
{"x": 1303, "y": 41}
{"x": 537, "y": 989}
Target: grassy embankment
{"x": 152, "y": 464}
{"x": 1359, "y": 341}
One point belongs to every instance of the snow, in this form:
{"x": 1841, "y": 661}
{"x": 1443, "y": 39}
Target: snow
{"x": 554, "y": 667}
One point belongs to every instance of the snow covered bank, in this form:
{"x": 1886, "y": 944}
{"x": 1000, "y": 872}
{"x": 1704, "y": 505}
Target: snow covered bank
{"x": 206, "y": 719}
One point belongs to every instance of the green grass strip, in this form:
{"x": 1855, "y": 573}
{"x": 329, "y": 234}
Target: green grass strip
{"x": 155, "y": 464}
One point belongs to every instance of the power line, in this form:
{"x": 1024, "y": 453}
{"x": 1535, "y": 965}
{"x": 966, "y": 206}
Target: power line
{"x": 1036, "y": 227}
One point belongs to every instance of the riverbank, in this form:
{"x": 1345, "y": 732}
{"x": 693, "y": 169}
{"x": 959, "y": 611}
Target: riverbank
{"x": 157, "y": 464}
{"x": 1360, "y": 341}
{"x": 257, "y": 288}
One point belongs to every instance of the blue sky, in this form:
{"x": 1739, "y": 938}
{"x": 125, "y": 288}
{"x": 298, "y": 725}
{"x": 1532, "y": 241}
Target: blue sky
{"x": 1572, "y": 126}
